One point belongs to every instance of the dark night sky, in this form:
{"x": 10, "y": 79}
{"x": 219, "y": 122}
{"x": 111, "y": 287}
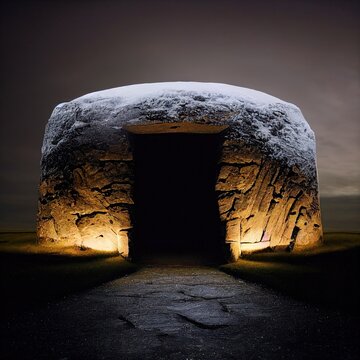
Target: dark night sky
{"x": 305, "y": 52}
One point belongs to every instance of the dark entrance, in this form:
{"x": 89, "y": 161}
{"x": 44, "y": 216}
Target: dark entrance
{"x": 176, "y": 211}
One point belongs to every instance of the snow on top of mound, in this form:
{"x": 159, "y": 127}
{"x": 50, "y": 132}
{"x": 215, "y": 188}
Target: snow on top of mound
{"x": 135, "y": 93}
{"x": 277, "y": 127}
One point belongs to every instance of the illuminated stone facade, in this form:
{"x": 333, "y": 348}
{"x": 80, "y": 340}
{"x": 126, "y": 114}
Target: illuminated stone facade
{"x": 266, "y": 188}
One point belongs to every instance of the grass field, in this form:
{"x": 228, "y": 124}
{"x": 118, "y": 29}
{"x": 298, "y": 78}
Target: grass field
{"x": 33, "y": 275}
{"x": 327, "y": 276}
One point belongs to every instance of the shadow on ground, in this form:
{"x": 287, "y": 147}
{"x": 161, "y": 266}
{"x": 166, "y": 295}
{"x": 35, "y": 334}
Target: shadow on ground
{"x": 32, "y": 276}
{"x": 178, "y": 312}
{"x": 327, "y": 276}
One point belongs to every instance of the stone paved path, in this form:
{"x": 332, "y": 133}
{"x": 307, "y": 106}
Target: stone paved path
{"x": 181, "y": 313}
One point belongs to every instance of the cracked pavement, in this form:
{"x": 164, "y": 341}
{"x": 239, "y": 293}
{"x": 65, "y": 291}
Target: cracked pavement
{"x": 165, "y": 312}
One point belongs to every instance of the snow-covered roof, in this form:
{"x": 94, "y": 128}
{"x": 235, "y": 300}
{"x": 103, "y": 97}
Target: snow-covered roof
{"x": 276, "y": 126}
{"x": 136, "y": 93}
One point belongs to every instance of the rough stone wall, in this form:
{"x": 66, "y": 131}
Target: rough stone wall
{"x": 264, "y": 203}
{"x": 88, "y": 201}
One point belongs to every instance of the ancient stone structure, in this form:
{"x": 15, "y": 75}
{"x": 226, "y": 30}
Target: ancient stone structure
{"x": 266, "y": 187}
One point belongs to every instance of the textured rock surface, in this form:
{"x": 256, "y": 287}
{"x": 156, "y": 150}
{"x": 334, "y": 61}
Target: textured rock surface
{"x": 264, "y": 202}
{"x": 267, "y": 183}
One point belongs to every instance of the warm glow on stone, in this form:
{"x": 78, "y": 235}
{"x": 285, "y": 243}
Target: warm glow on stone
{"x": 100, "y": 242}
{"x": 123, "y": 244}
{"x": 266, "y": 187}
{"x": 254, "y": 246}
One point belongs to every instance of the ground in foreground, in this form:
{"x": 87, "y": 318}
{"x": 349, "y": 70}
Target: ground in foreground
{"x": 327, "y": 275}
{"x": 180, "y": 313}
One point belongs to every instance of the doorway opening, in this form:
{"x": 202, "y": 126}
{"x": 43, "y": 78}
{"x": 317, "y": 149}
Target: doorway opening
{"x": 176, "y": 216}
